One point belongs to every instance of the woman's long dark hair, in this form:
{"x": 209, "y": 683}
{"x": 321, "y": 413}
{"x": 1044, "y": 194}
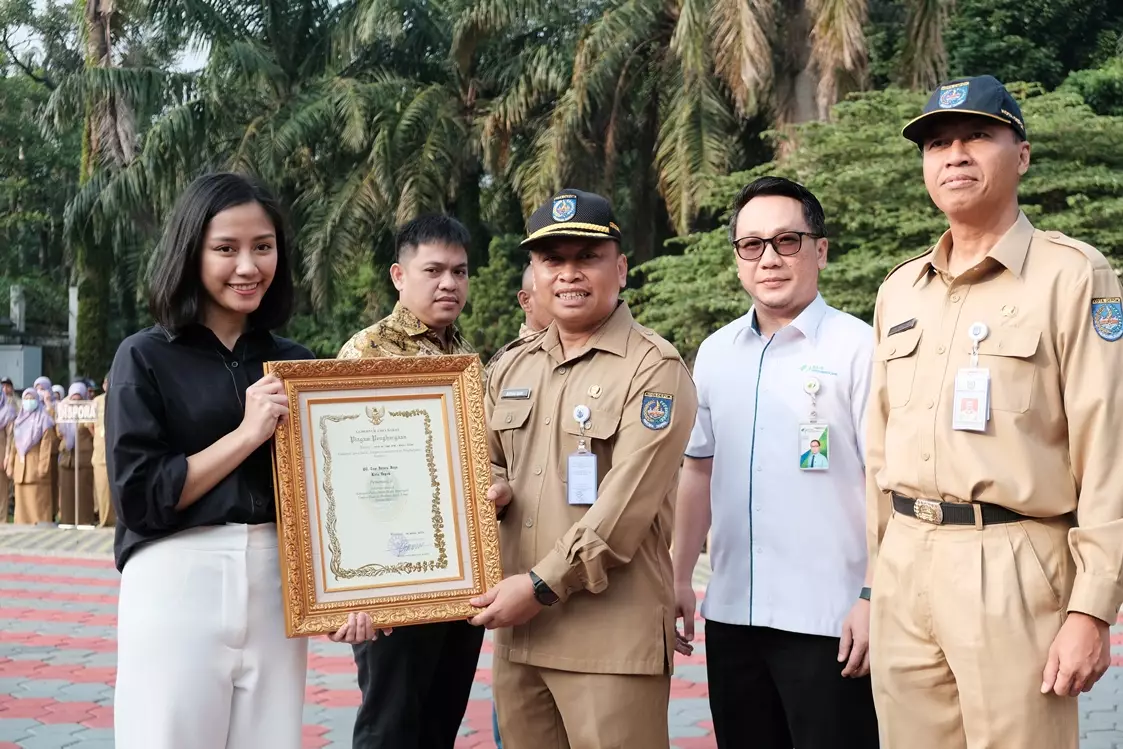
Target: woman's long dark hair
{"x": 176, "y": 291}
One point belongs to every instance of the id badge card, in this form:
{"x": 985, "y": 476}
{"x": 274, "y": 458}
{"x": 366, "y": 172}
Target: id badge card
{"x": 581, "y": 478}
{"x": 814, "y": 447}
{"x": 971, "y": 404}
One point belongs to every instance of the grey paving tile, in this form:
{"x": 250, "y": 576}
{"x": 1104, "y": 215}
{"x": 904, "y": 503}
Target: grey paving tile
{"x": 42, "y": 605}
{"x": 40, "y": 688}
{"x": 8, "y": 684}
{"x": 84, "y": 693}
{"x": 13, "y": 729}
{"x": 693, "y": 673}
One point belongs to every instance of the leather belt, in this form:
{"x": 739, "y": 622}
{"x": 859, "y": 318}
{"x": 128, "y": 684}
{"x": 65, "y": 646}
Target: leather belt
{"x": 953, "y": 513}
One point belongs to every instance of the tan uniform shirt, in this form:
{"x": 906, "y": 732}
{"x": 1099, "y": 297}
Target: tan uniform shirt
{"x": 401, "y": 334}
{"x": 1051, "y": 446}
{"x": 609, "y": 562}
{"x": 83, "y": 440}
{"x": 98, "y": 458}
{"x": 35, "y": 467}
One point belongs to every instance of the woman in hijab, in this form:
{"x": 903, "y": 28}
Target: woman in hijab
{"x": 69, "y": 436}
{"x": 47, "y": 395}
{"x": 9, "y": 409}
{"x": 30, "y": 453}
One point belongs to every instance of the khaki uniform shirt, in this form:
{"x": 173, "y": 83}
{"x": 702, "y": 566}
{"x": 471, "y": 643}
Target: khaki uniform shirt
{"x": 608, "y": 562}
{"x": 98, "y": 458}
{"x": 401, "y": 334}
{"x": 35, "y": 467}
{"x": 1051, "y": 446}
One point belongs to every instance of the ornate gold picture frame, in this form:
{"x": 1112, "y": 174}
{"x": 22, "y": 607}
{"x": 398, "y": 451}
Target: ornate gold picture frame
{"x": 381, "y": 478}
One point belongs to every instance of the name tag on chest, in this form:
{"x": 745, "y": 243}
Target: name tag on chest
{"x": 581, "y": 478}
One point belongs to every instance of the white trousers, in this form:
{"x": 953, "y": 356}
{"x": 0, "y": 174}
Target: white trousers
{"x": 202, "y": 657}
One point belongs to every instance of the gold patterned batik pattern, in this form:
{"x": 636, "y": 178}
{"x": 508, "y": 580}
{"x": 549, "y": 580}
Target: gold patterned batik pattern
{"x": 401, "y": 334}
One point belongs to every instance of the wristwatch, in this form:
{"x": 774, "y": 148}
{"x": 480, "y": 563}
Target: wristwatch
{"x": 542, "y": 592}
{"x": 865, "y": 594}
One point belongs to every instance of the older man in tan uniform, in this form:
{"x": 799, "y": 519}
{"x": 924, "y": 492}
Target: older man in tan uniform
{"x": 997, "y": 530}
{"x": 587, "y": 421}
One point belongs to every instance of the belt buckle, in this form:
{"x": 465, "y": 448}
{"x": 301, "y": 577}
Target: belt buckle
{"x": 929, "y": 511}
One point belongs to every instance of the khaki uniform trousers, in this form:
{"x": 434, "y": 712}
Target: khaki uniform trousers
{"x": 34, "y": 503}
{"x": 544, "y": 708}
{"x": 5, "y": 499}
{"x": 85, "y": 495}
{"x": 105, "y": 514}
{"x": 962, "y": 619}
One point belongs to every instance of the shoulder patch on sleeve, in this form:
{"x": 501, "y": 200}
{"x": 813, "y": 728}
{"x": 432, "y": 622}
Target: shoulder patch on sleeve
{"x": 905, "y": 262}
{"x": 655, "y": 410}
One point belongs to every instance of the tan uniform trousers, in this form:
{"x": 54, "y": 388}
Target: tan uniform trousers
{"x": 34, "y": 503}
{"x": 85, "y": 495}
{"x": 5, "y": 491}
{"x": 105, "y": 514}
{"x": 543, "y": 708}
{"x": 961, "y": 624}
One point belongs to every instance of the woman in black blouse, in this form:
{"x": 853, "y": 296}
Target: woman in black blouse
{"x": 203, "y": 660}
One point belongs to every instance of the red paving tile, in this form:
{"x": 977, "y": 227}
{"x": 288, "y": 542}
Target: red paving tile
{"x": 331, "y": 664}
{"x": 100, "y": 717}
{"x": 8, "y": 745}
{"x": 707, "y": 742}
{"x": 88, "y": 582}
{"x": 43, "y": 595}
{"x": 97, "y": 564}
{"x": 62, "y": 642}
{"x": 58, "y": 615}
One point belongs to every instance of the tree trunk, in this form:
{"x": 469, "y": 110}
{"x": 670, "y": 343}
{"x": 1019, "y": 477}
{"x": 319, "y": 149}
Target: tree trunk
{"x": 93, "y": 259}
{"x": 645, "y": 191}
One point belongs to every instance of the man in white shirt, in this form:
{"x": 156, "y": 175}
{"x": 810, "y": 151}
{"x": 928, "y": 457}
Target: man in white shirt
{"x": 775, "y": 466}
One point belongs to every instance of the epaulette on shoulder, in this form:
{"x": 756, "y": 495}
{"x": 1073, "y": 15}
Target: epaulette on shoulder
{"x": 661, "y": 344}
{"x": 512, "y": 345}
{"x": 903, "y": 263}
{"x": 1094, "y": 256}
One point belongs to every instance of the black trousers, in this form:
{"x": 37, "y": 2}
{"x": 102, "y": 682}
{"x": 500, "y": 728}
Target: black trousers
{"x": 415, "y": 685}
{"x": 771, "y": 689}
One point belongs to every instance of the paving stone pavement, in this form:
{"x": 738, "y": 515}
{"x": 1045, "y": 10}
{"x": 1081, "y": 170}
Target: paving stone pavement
{"x": 58, "y": 594}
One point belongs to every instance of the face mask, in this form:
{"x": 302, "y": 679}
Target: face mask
{"x": 30, "y": 405}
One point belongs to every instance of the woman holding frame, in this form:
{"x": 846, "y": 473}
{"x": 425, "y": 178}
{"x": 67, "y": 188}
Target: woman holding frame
{"x": 203, "y": 660}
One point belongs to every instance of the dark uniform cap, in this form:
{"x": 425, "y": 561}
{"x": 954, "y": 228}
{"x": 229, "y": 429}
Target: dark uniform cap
{"x": 984, "y": 96}
{"x": 572, "y": 213}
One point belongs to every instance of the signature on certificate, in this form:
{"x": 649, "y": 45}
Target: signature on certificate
{"x": 400, "y": 544}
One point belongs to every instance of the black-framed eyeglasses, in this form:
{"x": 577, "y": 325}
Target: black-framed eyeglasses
{"x": 785, "y": 243}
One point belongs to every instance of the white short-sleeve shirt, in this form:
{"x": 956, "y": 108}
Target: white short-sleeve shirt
{"x": 788, "y": 546}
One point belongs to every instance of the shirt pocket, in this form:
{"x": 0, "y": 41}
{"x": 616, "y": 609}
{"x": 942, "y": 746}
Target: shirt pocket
{"x": 899, "y": 353}
{"x": 507, "y": 420}
{"x": 599, "y": 432}
{"x": 1009, "y": 355}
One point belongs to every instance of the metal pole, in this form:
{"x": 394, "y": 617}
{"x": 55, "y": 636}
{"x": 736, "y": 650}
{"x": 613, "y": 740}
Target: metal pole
{"x": 77, "y": 442}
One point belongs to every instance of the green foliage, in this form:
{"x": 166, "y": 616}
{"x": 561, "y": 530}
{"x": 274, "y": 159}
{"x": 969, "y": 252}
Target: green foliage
{"x": 356, "y": 307}
{"x": 1101, "y": 88}
{"x": 493, "y": 316}
{"x": 1031, "y": 40}
{"x": 870, "y": 183}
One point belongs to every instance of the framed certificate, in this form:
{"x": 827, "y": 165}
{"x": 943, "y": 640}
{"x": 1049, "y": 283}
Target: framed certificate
{"x": 381, "y": 479}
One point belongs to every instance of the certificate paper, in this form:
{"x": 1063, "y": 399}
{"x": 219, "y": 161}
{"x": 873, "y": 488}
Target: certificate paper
{"x": 382, "y": 474}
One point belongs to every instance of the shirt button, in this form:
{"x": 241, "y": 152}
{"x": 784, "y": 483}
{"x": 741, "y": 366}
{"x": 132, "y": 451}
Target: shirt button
{"x": 234, "y": 364}
{"x": 510, "y": 418}
{"x": 926, "y": 456}
{"x": 930, "y": 404}
{"x": 257, "y": 502}
{"x": 955, "y": 297}
{"x": 547, "y": 419}
{"x": 561, "y": 370}
{"x": 759, "y": 469}
{"x": 529, "y": 523}
{"x": 940, "y": 350}
{"x": 537, "y": 470}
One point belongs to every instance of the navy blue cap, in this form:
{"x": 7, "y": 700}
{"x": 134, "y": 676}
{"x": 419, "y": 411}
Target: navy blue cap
{"x": 983, "y": 95}
{"x": 572, "y": 213}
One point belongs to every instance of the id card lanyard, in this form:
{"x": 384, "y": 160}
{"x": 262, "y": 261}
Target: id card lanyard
{"x": 814, "y": 442}
{"x": 581, "y": 466}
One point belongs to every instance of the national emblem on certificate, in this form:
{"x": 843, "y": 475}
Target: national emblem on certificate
{"x": 382, "y": 477}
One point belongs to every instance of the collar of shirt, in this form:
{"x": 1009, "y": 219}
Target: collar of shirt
{"x": 1010, "y": 251}
{"x": 254, "y": 339}
{"x": 612, "y": 336}
{"x": 806, "y": 322}
{"x": 410, "y": 324}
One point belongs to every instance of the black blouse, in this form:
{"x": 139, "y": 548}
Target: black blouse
{"x": 173, "y": 395}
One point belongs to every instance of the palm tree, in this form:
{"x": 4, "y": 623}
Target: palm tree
{"x": 674, "y": 84}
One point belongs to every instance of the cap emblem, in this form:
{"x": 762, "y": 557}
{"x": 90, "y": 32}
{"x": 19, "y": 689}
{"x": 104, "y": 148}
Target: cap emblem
{"x": 564, "y": 208}
{"x": 954, "y": 95}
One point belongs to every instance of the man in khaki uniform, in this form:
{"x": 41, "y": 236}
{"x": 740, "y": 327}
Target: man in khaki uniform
{"x": 416, "y": 683}
{"x": 587, "y": 425}
{"x": 998, "y": 531}
{"x": 101, "y": 474}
